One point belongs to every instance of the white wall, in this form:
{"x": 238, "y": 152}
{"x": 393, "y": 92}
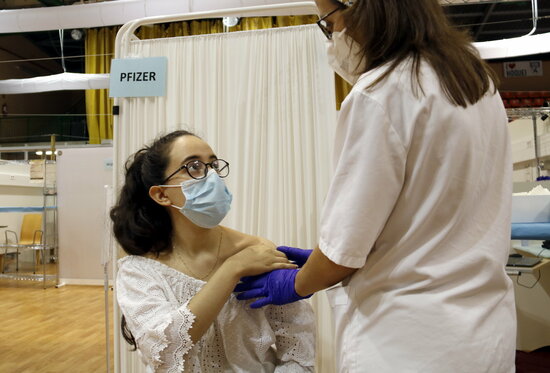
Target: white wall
{"x": 82, "y": 174}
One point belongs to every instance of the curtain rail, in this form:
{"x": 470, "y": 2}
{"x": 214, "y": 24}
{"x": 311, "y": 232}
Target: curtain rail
{"x": 126, "y": 32}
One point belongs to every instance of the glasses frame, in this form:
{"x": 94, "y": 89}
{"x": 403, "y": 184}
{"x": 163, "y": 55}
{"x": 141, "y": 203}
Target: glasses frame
{"x": 324, "y": 28}
{"x": 206, "y": 165}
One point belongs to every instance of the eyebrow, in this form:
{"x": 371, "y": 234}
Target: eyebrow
{"x": 193, "y": 157}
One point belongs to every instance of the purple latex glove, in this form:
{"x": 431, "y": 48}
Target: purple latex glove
{"x": 298, "y": 256}
{"x": 275, "y": 287}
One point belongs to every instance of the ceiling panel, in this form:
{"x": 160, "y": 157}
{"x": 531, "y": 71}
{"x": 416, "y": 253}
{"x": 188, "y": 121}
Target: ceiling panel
{"x": 484, "y": 20}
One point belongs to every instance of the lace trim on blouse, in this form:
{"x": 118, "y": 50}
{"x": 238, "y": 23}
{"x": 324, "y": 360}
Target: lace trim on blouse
{"x": 150, "y": 315}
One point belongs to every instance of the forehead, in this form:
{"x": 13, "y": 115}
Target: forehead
{"x": 187, "y": 146}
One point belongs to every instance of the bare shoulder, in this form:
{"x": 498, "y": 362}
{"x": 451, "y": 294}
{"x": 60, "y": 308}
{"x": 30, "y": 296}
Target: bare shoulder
{"x": 237, "y": 241}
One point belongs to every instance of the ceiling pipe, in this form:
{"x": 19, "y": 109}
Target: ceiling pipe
{"x": 514, "y": 47}
{"x": 111, "y": 13}
{"x": 57, "y": 82}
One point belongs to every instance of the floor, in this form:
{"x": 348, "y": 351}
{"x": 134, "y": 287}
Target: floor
{"x": 52, "y": 330}
{"x": 58, "y": 330}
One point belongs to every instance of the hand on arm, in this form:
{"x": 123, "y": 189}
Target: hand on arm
{"x": 289, "y": 285}
{"x": 298, "y": 256}
{"x": 208, "y": 302}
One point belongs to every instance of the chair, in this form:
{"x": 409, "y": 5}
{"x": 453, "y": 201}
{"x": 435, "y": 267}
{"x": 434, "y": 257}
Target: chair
{"x": 30, "y": 238}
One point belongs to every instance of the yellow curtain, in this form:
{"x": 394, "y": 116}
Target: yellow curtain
{"x": 100, "y": 46}
{"x": 342, "y": 89}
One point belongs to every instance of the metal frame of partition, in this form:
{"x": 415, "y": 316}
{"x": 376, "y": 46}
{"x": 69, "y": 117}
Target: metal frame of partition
{"x": 125, "y": 36}
{"x": 532, "y": 113}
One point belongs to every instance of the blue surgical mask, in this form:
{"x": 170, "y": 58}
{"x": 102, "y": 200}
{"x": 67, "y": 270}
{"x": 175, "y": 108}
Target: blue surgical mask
{"x": 207, "y": 201}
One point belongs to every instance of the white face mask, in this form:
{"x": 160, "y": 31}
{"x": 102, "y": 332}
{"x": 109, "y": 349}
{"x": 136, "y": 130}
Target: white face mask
{"x": 345, "y": 56}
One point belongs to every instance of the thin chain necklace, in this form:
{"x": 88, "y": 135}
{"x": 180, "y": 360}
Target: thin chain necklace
{"x": 180, "y": 257}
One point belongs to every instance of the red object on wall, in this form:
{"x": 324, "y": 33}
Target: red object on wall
{"x": 522, "y": 94}
{"x": 514, "y": 102}
{"x": 526, "y": 102}
{"x": 515, "y": 99}
{"x": 506, "y": 94}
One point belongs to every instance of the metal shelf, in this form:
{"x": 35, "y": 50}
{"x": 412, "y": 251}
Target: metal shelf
{"x": 528, "y": 112}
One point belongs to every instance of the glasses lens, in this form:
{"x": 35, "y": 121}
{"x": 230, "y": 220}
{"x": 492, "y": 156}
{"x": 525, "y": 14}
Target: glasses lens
{"x": 196, "y": 169}
{"x": 221, "y": 167}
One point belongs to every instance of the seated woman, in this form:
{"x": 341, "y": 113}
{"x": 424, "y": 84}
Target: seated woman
{"x": 175, "y": 287}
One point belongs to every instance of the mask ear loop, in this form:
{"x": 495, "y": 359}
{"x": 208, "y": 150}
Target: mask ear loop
{"x": 172, "y": 186}
{"x": 187, "y": 183}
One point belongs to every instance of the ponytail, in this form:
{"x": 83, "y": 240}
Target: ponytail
{"x": 127, "y": 334}
{"x": 141, "y": 225}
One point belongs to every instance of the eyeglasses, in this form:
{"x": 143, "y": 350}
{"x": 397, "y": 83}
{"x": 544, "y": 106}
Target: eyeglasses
{"x": 198, "y": 169}
{"x": 323, "y": 25}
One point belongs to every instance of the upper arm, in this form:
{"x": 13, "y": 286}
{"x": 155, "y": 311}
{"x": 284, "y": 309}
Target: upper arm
{"x": 139, "y": 296}
{"x": 368, "y": 177}
{"x": 159, "y": 326}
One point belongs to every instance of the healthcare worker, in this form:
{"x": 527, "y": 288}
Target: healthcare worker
{"x": 416, "y": 224}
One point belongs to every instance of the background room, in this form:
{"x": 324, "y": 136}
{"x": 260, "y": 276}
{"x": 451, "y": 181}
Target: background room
{"x": 59, "y": 158}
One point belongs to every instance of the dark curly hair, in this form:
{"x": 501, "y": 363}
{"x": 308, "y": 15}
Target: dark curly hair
{"x": 140, "y": 225}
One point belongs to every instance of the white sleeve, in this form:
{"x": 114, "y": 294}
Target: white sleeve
{"x": 161, "y": 329}
{"x": 294, "y": 328}
{"x": 368, "y": 177}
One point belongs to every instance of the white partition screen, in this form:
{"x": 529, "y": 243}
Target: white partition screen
{"x": 264, "y": 100}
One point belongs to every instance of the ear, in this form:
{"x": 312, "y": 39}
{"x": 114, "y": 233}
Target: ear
{"x": 157, "y": 194}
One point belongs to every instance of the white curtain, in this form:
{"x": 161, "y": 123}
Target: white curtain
{"x": 264, "y": 100}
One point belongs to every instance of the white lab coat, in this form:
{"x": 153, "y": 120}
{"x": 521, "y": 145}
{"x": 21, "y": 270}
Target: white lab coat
{"x": 420, "y": 203}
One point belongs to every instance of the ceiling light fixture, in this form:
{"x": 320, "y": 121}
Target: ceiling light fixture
{"x": 230, "y": 21}
{"x": 76, "y": 34}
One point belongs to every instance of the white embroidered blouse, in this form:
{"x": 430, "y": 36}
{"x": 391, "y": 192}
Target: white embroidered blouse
{"x": 154, "y": 297}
